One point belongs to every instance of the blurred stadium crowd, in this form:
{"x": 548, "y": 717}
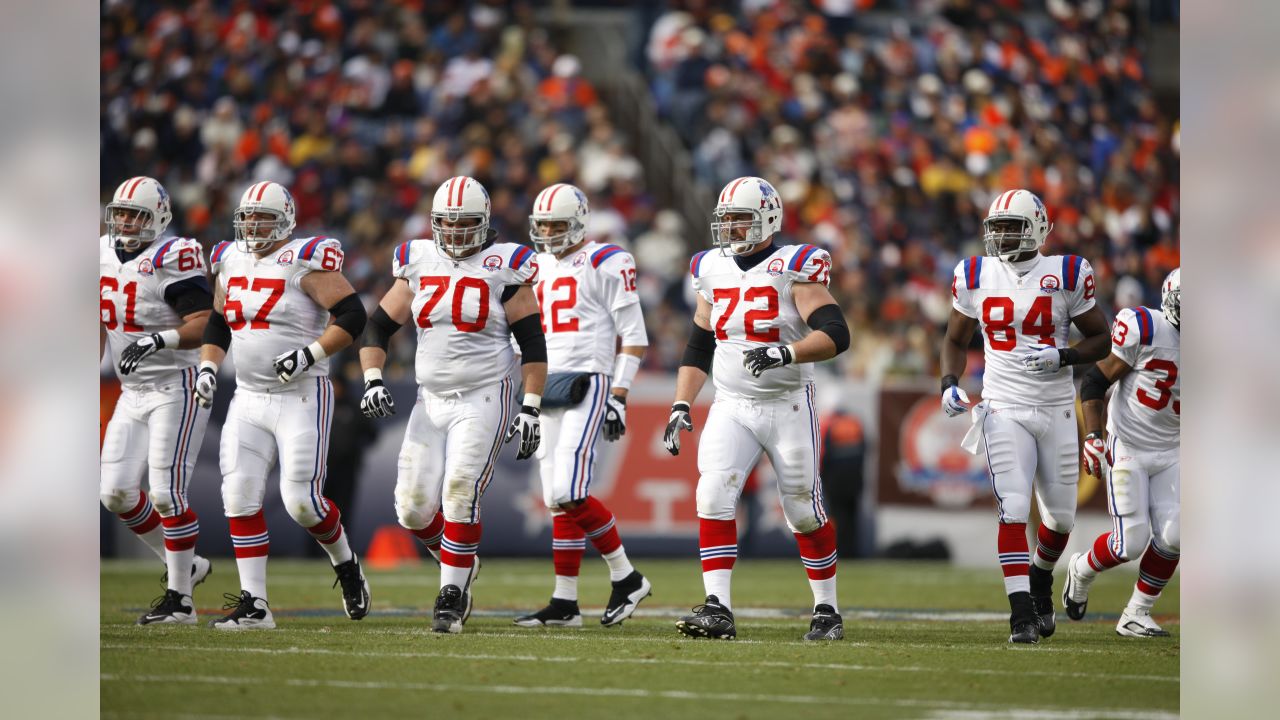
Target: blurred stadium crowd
{"x": 886, "y": 134}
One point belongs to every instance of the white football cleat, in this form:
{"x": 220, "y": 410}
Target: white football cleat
{"x": 201, "y": 569}
{"x": 1137, "y": 622}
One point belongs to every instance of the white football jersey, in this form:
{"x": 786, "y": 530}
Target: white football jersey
{"x": 131, "y": 300}
{"x": 1018, "y": 314}
{"x": 1146, "y": 406}
{"x": 754, "y": 308}
{"x": 266, "y": 308}
{"x": 578, "y": 297}
{"x": 463, "y": 336}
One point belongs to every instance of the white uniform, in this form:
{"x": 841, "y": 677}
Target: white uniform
{"x": 156, "y": 424}
{"x": 774, "y": 413}
{"x": 464, "y": 369}
{"x": 1028, "y": 422}
{"x": 582, "y": 299}
{"x": 270, "y": 314}
{"x": 1143, "y": 427}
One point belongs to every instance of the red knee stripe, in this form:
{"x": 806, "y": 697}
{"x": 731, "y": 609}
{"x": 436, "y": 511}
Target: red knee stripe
{"x": 717, "y": 543}
{"x": 1101, "y": 557}
{"x": 328, "y": 530}
{"x": 598, "y": 523}
{"x": 181, "y": 531}
{"x": 432, "y": 534}
{"x": 1011, "y": 548}
{"x": 249, "y": 535}
{"x": 1050, "y": 544}
{"x": 818, "y": 551}
{"x": 458, "y": 548}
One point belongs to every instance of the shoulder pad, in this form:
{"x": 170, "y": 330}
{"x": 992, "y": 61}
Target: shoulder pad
{"x": 309, "y": 248}
{"x": 603, "y": 253}
{"x": 695, "y": 265}
{"x": 218, "y": 251}
{"x": 972, "y": 269}
{"x": 520, "y": 256}
{"x": 1146, "y": 325}
{"x": 801, "y": 256}
{"x": 1071, "y": 266}
{"x": 169, "y": 249}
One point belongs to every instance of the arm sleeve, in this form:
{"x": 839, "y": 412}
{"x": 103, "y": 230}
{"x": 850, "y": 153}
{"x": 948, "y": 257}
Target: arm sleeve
{"x": 379, "y": 329}
{"x": 349, "y": 314}
{"x": 961, "y": 295}
{"x": 528, "y": 334}
{"x": 701, "y": 348}
{"x": 830, "y": 320}
{"x": 188, "y": 296}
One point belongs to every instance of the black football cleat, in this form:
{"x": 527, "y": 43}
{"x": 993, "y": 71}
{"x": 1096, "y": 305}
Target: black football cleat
{"x": 826, "y": 624}
{"x": 626, "y": 596}
{"x": 557, "y": 613}
{"x": 247, "y": 613}
{"x": 709, "y": 620}
{"x": 1042, "y": 600}
{"x": 450, "y": 607}
{"x": 355, "y": 588}
{"x": 1024, "y": 630}
{"x": 171, "y": 608}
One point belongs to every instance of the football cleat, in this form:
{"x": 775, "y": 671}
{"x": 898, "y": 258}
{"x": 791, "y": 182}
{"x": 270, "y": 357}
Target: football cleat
{"x": 1042, "y": 600}
{"x": 626, "y": 596}
{"x": 557, "y": 613}
{"x": 1024, "y": 630}
{"x": 1075, "y": 591}
{"x": 355, "y": 588}
{"x": 467, "y": 594}
{"x": 826, "y": 624}
{"x": 709, "y": 620}
{"x": 247, "y": 613}
{"x": 1137, "y": 622}
{"x": 450, "y": 607}
{"x": 201, "y": 569}
{"x": 171, "y": 608}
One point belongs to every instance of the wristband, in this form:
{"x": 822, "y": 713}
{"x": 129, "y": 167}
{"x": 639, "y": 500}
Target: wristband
{"x": 209, "y": 365}
{"x": 948, "y": 381}
{"x": 317, "y": 352}
{"x": 1096, "y": 435}
{"x": 680, "y": 405}
{"x": 532, "y": 400}
{"x": 624, "y": 370}
{"x": 169, "y": 338}
{"x": 1068, "y": 356}
{"x": 373, "y": 374}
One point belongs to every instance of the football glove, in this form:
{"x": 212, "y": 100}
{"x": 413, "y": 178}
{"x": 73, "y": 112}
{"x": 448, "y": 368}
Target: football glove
{"x": 615, "y": 417}
{"x": 1046, "y": 360}
{"x": 141, "y": 348}
{"x": 529, "y": 428}
{"x": 377, "y": 401}
{"x": 679, "y": 420}
{"x": 1093, "y": 454}
{"x": 757, "y": 360}
{"x": 954, "y": 401}
{"x": 206, "y": 386}
{"x": 292, "y": 364}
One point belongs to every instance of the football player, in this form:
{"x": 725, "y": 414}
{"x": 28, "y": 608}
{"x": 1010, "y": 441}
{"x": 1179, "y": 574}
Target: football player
{"x": 154, "y": 300}
{"x": 587, "y": 296}
{"x": 467, "y": 294}
{"x": 1139, "y": 451}
{"x": 764, "y": 315}
{"x": 1024, "y": 303}
{"x": 273, "y": 297}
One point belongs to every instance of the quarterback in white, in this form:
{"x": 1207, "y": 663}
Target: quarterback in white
{"x": 154, "y": 301}
{"x": 1024, "y": 302}
{"x": 1139, "y": 453}
{"x": 273, "y": 297}
{"x": 763, "y": 316}
{"x": 467, "y": 295}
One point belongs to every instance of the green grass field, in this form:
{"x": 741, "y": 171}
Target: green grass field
{"x": 922, "y": 641}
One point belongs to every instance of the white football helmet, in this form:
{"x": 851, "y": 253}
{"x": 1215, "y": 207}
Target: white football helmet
{"x": 460, "y": 198}
{"x": 1171, "y": 297}
{"x": 269, "y": 198}
{"x": 559, "y": 203}
{"x": 746, "y": 195}
{"x": 138, "y": 213}
{"x": 1019, "y": 216}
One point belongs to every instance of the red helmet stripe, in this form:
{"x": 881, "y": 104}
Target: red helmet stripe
{"x": 136, "y": 182}
{"x": 261, "y": 191}
{"x": 1008, "y": 199}
{"x": 461, "y": 186}
{"x": 552, "y": 197}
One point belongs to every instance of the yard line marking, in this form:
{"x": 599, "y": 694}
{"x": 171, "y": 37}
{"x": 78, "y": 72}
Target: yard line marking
{"x": 645, "y": 661}
{"x": 1126, "y": 713}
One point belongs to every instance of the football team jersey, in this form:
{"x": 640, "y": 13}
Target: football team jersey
{"x": 1018, "y": 314}
{"x": 1145, "y": 408}
{"x": 754, "y": 308}
{"x": 578, "y": 297}
{"x": 463, "y": 336}
{"x": 131, "y": 300}
{"x": 266, "y": 308}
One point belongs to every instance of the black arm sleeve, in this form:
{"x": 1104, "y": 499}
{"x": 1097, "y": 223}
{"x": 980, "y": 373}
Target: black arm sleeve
{"x": 217, "y": 332}
{"x": 1094, "y": 386}
{"x": 528, "y": 334}
{"x": 189, "y": 296}
{"x": 380, "y": 328}
{"x": 830, "y": 320}
{"x": 509, "y": 292}
{"x": 348, "y": 314}
{"x": 701, "y": 348}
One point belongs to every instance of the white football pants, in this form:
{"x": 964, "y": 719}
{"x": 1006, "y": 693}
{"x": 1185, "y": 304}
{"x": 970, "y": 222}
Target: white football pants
{"x": 1142, "y": 496}
{"x": 567, "y": 455}
{"x": 1033, "y": 447}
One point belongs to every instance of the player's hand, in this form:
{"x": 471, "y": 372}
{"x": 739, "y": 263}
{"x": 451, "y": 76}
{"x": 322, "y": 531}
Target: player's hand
{"x": 141, "y": 348}
{"x": 377, "y": 401}
{"x": 206, "y": 386}
{"x": 1046, "y": 360}
{"x": 757, "y": 360}
{"x": 955, "y": 401}
{"x": 529, "y": 428}
{"x": 615, "y": 417}
{"x": 679, "y": 420}
{"x": 292, "y": 364}
{"x": 1093, "y": 454}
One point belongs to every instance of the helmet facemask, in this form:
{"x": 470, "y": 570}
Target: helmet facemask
{"x": 546, "y": 239}
{"x": 254, "y": 234}
{"x": 737, "y": 236}
{"x": 1008, "y": 236}
{"x": 1171, "y": 306}
{"x": 455, "y": 241}
{"x": 129, "y": 227}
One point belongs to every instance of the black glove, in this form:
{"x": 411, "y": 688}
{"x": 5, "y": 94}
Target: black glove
{"x": 377, "y": 401}
{"x": 757, "y": 360}
{"x": 139, "y": 349}
{"x": 615, "y": 417}
{"x": 529, "y": 427}
{"x": 679, "y": 420}
{"x": 292, "y": 364}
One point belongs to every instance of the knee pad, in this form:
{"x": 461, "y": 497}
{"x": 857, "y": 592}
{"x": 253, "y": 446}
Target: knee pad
{"x": 799, "y": 510}
{"x": 1168, "y": 535}
{"x": 1015, "y": 507}
{"x": 161, "y": 498}
{"x": 119, "y": 500}
{"x": 414, "y": 509}
{"x": 717, "y": 495}
{"x": 238, "y": 500}
{"x": 306, "y": 508}
{"x": 1136, "y": 537}
{"x": 460, "y": 499}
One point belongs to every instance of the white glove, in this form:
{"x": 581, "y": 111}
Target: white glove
{"x": 529, "y": 428}
{"x": 1093, "y": 454}
{"x": 377, "y": 401}
{"x": 292, "y": 364}
{"x": 615, "y": 417}
{"x": 954, "y": 401}
{"x": 206, "y": 386}
{"x": 680, "y": 420}
{"x": 1046, "y": 360}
